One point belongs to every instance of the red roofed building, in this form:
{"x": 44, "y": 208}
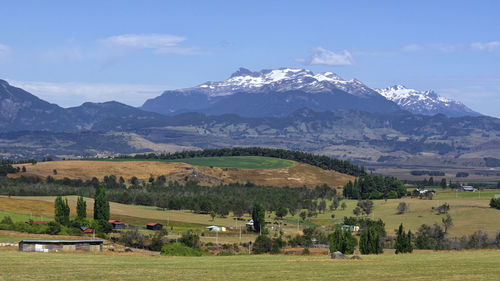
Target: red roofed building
{"x": 154, "y": 226}
{"x": 117, "y": 224}
{"x": 86, "y": 229}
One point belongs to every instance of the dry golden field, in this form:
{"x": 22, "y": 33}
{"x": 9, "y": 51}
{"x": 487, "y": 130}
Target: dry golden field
{"x": 297, "y": 175}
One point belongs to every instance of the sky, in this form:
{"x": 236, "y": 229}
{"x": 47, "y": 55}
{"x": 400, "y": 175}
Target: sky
{"x": 69, "y": 52}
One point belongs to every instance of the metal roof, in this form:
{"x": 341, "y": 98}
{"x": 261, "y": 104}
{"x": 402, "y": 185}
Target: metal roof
{"x": 61, "y": 241}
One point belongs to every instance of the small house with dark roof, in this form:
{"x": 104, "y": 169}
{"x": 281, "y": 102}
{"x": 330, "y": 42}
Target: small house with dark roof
{"x": 154, "y": 226}
{"x": 117, "y": 224}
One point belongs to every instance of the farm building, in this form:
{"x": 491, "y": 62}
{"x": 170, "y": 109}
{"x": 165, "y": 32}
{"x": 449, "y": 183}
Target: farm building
{"x": 117, "y": 224}
{"x": 86, "y": 229}
{"x": 60, "y": 245}
{"x": 352, "y": 228}
{"x": 154, "y": 226}
{"x": 249, "y": 225}
{"x": 216, "y": 228}
{"x": 466, "y": 188}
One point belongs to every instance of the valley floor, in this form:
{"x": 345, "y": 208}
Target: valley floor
{"x": 425, "y": 265}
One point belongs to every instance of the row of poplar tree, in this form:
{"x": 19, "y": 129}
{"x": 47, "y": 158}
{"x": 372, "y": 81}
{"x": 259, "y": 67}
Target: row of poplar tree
{"x": 101, "y": 211}
{"x": 369, "y": 242}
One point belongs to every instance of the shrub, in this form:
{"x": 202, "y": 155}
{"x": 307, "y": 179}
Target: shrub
{"x": 190, "y": 239}
{"x": 402, "y": 208}
{"x": 179, "y": 249}
{"x": 495, "y": 203}
{"x": 264, "y": 244}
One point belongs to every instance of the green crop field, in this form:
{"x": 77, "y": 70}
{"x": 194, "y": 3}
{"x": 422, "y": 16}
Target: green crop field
{"x": 242, "y": 162}
{"x": 463, "y": 265}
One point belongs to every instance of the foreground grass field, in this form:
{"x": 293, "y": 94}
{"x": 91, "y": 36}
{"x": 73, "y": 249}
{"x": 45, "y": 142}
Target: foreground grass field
{"x": 464, "y": 265}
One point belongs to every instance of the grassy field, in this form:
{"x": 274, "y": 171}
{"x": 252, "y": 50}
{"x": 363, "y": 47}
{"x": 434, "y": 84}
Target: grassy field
{"x": 469, "y": 214}
{"x": 213, "y": 171}
{"x": 242, "y": 162}
{"x": 464, "y": 265}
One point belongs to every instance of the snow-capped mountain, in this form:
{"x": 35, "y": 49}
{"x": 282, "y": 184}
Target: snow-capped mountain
{"x": 427, "y": 102}
{"x": 281, "y": 80}
{"x": 271, "y": 93}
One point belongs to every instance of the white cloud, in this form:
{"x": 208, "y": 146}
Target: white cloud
{"x": 73, "y": 94}
{"x": 4, "y": 50}
{"x": 412, "y": 48}
{"x": 485, "y": 46}
{"x": 160, "y": 43}
{"x": 326, "y": 57}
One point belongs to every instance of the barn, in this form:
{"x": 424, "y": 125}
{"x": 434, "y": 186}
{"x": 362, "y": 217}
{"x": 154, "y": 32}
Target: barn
{"x": 117, "y": 224}
{"x": 60, "y": 245}
{"x": 154, "y": 226}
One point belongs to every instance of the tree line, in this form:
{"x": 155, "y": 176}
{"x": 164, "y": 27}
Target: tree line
{"x": 374, "y": 187}
{"x": 223, "y": 199}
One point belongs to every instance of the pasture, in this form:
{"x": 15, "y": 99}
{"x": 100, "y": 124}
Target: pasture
{"x": 469, "y": 214}
{"x": 421, "y": 265}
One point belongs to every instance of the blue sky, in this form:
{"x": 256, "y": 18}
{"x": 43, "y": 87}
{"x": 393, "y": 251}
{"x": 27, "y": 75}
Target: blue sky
{"x": 131, "y": 50}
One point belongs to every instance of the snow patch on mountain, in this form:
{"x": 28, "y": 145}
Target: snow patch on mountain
{"x": 280, "y": 80}
{"x": 426, "y": 102}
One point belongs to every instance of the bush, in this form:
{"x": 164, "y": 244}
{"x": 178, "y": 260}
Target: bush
{"x": 190, "y": 239}
{"x": 263, "y": 244}
{"x": 402, "y": 208}
{"x": 495, "y": 203}
{"x": 179, "y": 249}
{"x": 133, "y": 238}
{"x": 7, "y": 220}
{"x": 306, "y": 252}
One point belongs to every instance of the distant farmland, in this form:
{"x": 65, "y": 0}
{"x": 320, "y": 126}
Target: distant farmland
{"x": 206, "y": 170}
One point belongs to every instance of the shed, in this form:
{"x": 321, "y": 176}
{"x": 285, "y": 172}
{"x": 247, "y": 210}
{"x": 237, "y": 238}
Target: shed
{"x": 117, "y": 224}
{"x": 60, "y": 245}
{"x": 86, "y": 229}
{"x": 154, "y": 226}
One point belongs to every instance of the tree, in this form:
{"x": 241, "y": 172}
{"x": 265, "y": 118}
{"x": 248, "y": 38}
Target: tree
{"x": 366, "y": 206}
{"x": 303, "y": 215}
{"x": 402, "y": 208}
{"x": 342, "y": 241}
{"x": 495, "y": 203}
{"x": 356, "y": 211}
{"x": 447, "y": 223}
{"x": 322, "y": 206}
{"x": 258, "y": 217}
{"x": 54, "y": 172}
{"x": 443, "y": 209}
{"x": 81, "y": 208}
{"x": 61, "y": 211}
{"x": 24, "y": 171}
{"x": 403, "y": 241}
{"x": 101, "y": 204}
{"x": 281, "y": 212}
{"x": 343, "y": 206}
{"x": 212, "y": 215}
{"x": 264, "y": 244}
{"x": 335, "y": 204}
{"x": 369, "y": 242}
{"x": 443, "y": 183}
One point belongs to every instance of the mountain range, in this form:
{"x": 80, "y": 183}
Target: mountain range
{"x": 279, "y": 92}
{"x": 287, "y": 108}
